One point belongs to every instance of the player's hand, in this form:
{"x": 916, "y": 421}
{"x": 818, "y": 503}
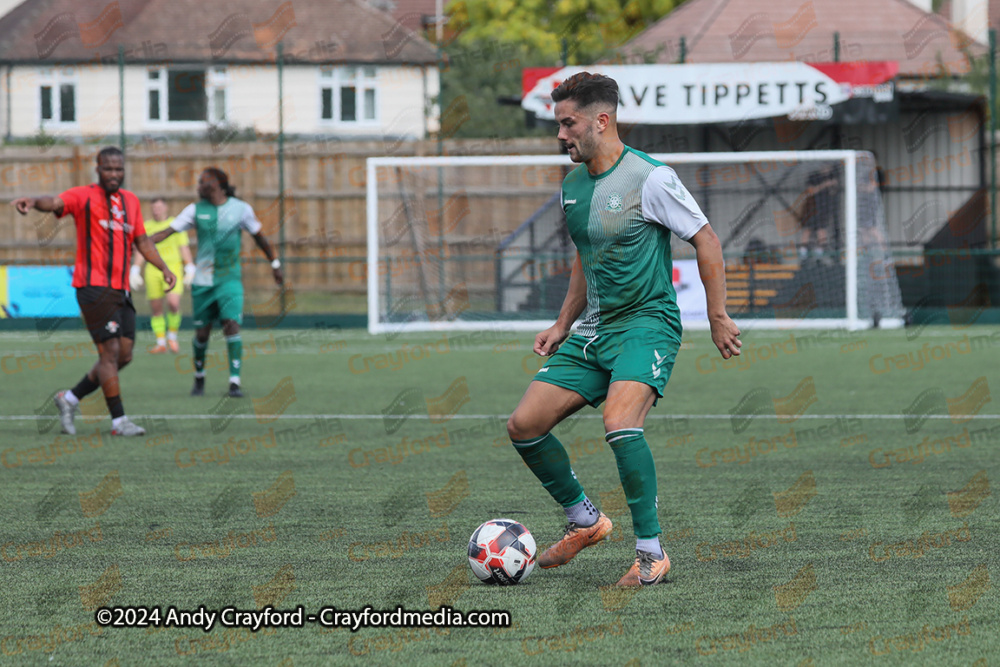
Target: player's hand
{"x": 135, "y": 277}
{"x": 189, "y": 270}
{"x": 169, "y": 278}
{"x": 726, "y": 336}
{"x": 548, "y": 341}
{"x": 279, "y": 277}
{"x": 23, "y": 204}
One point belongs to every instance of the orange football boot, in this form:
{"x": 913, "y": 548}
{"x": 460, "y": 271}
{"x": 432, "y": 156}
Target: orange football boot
{"x": 646, "y": 570}
{"x": 576, "y": 539}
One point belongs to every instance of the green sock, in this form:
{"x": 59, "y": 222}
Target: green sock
{"x": 200, "y": 349}
{"x": 235, "y": 346}
{"x": 638, "y": 475}
{"x": 173, "y": 322}
{"x": 548, "y": 459}
{"x": 159, "y": 326}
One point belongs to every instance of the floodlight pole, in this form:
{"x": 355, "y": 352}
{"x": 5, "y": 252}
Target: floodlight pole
{"x": 121, "y": 97}
{"x": 281, "y": 162}
{"x": 993, "y": 143}
{"x": 438, "y": 34}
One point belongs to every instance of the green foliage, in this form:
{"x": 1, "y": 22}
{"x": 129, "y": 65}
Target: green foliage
{"x": 590, "y": 28}
{"x": 474, "y": 78}
{"x": 492, "y": 41}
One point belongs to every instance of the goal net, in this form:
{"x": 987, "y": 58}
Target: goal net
{"x": 481, "y": 242}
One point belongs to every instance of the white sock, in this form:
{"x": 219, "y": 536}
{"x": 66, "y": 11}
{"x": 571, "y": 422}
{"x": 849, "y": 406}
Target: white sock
{"x": 172, "y": 336}
{"x": 117, "y": 421}
{"x": 200, "y": 375}
{"x": 161, "y": 341}
{"x": 583, "y": 513}
{"x": 234, "y": 379}
{"x": 71, "y": 398}
{"x": 651, "y": 545}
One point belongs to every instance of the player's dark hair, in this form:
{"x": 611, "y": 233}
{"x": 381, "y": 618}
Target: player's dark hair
{"x": 109, "y": 151}
{"x": 156, "y": 199}
{"x": 587, "y": 89}
{"x": 223, "y": 180}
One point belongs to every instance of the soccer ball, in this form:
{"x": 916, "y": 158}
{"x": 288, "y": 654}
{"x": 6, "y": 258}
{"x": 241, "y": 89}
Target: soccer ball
{"x": 502, "y": 551}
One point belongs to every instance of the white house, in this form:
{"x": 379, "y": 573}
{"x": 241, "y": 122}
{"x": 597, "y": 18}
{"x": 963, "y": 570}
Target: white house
{"x": 350, "y": 70}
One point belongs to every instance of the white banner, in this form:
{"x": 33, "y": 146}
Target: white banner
{"x": 690, "y": 292}
{"x": 710, "y": 93}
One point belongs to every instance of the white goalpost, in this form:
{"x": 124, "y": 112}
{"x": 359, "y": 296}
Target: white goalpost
{"x": 479, "y": 243}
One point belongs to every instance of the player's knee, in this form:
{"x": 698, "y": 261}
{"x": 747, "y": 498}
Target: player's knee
{"x": 123, "y": 359}
{"x": 109, "y": 351}
{"x": 519, "y": 428}
{"x": 615, "y": 421}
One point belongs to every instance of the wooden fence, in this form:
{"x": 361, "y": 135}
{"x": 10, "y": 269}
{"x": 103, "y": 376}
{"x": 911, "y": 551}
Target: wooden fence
{"x": 324, "y": 228}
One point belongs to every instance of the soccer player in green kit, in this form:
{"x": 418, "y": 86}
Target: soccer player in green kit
{"x": 217, "y": 288}
{"x": 621, "y": 207}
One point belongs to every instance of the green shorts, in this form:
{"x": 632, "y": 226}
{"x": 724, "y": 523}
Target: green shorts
{"x": 589, "y": 365}
{"x": 218, "y": 302}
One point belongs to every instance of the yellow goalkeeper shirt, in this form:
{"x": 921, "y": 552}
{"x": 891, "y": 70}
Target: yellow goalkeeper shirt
{"x": 169, "y": 248}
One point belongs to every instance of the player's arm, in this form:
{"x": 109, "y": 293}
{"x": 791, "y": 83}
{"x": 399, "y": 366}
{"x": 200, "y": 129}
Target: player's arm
{"x": 252, "y": 225}
{"x": 147, "y": 247}
{"x": 43, "y": 204}
{"x": 549, "y": 340}
{"x": 135, "y": 274}
{"x": 189, "y": 268}
{"x": 265, "y": 247}
{"x": 161, "y": 235}
{"x": 666, "y": 202}
{"x": 712, "y": 269}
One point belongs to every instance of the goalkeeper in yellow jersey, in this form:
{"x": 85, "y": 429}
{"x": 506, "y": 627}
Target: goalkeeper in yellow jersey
{"x": 175, "y": 252}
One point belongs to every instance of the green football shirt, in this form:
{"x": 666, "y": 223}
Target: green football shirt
{"x": 219, "y": 238}
{"x": 621, "y": 222}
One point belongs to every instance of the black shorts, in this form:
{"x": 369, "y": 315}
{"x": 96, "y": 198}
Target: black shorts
{"x": 108, "y": 313}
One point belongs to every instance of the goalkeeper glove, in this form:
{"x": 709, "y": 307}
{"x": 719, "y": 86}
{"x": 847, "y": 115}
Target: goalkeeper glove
{"x": 135, "y": 277}
{"x": 188, "y": 274}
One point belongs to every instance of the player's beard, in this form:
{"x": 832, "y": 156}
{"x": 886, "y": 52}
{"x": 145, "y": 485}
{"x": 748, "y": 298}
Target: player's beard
{"x": 586, "y": 146}
{"x": 115, "y": 189}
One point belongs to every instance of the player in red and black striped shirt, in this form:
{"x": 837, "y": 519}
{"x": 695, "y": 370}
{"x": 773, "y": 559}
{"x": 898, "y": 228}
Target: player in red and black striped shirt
{"x": 108, "y": 221}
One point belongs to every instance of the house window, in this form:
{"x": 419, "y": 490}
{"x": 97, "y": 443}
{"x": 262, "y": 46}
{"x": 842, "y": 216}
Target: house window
{"x": 186, "y": 95}
{"x": 349, "y": 94}
{"x": 57, "y": 97}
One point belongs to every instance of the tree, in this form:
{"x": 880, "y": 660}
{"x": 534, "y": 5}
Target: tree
{"x": 586, "y": 30}
{"x": 474, "y": 77}
{"x": 489, "y": 42}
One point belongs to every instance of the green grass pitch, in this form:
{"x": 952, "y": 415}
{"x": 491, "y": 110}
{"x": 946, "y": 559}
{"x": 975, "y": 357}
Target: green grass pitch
{"x": 852, "y": 521}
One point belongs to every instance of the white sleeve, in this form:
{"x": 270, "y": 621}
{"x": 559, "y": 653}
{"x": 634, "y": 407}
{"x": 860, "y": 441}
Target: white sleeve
{"x": 667, "y": 202}
{"x": 250, "y": 222}
{"x": 185, "y": 220}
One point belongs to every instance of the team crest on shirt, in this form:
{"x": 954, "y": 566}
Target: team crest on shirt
{"x": 614, "y": 202}
{"x": 111, "y": 326}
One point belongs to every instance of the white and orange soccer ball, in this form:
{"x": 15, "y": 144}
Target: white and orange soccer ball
{"x": 502, "y": 551}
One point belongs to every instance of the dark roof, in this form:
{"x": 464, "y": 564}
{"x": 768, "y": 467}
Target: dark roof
{"x": 803, "y": 30}
{"x": 312, "y": 31}
{"x": 414, "y": 14}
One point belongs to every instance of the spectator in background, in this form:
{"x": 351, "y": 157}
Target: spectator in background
{"x": 819, "y": 216}
{"x": 174, "y": 251}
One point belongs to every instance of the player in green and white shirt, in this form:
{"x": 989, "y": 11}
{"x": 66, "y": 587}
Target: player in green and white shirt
{"x": 217, "y": 289}
{"x": 621, "y": 207}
